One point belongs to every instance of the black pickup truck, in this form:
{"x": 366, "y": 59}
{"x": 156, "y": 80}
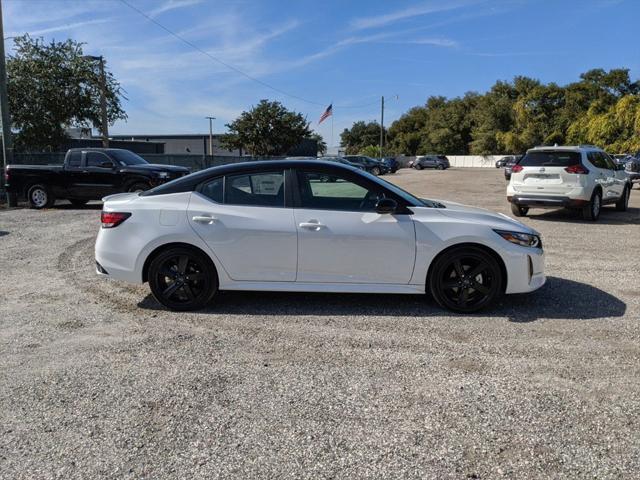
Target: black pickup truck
{"x": 87, "y": 174}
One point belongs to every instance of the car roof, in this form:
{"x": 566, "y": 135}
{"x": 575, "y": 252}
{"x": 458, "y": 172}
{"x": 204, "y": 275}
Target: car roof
{"x": 566, "y": 148}
{"x": 189, "y": 182}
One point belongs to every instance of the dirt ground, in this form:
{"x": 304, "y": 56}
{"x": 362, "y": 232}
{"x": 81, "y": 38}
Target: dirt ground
{"x": 97, "y": 381}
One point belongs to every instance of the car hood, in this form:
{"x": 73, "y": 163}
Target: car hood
{"x": 480, "y": 215}
{"x": 155, "y": 167}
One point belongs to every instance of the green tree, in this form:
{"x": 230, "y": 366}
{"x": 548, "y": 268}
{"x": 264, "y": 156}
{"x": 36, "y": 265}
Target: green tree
{"x": 322, "y": 145}
{"x": 268, "y": 129}
{"x": 360, "y": 135}
{"x": 51, "y": 87}
{"x": 372, "y": 151}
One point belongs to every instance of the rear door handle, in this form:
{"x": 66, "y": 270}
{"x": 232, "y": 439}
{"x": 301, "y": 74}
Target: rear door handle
{"x": 311, "y": 225}
{"x": 206, "y": 219}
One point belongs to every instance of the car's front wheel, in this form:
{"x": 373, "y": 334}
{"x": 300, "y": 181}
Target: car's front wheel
{"x": 183, "y": 279}
{"x": 518, "y": 210}
{"x": 419, "y": 167}
{"x": 375, "y": 171}
{"x": 440, "y": 167}
{"x": 138, "y": 187}
{"x": 465, "y": 279}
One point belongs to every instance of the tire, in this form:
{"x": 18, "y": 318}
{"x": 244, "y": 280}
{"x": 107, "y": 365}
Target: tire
{"x": 440, "y": 167}
{"x": 78, "y": 203}
{"x": 183, "y": 279}
{"x": 375, "y": 171}
{"x": 419, "y": 167}
{"x": 465, "y": 279}
{"x": 138, "y": 187}
{"x": 39, "y": 197}
{"x": 591, "y": 212}
{"x": 623, "y": 203}
{"x": 519, "y": 211}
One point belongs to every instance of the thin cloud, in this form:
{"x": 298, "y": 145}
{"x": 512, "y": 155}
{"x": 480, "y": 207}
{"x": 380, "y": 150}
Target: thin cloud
{"x": 61, "y": 28}
{"x": 410, "y": 12}
{"x": 172, "y": 5}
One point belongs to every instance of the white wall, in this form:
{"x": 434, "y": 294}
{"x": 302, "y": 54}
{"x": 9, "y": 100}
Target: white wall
{"x": 475, "y": 161}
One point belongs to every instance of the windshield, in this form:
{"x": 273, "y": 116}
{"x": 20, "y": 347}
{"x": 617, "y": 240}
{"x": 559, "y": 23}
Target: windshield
{"x": 126, "y": 157}
{"x": 550, "y": 159}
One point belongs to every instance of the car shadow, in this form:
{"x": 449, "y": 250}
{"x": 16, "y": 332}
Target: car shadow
{"x": 557, "y": 299}
{"x": 3, "y": 233}
{"x": 69, "y": 206}
{"x": 608, "y": 216}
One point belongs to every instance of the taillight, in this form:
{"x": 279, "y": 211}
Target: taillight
{"x": 113, "y": 219}
{"x": 516, "y": 168}
{"x": 577, "y": 168}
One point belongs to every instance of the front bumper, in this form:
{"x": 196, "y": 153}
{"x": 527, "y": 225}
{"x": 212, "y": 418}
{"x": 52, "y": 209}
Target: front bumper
{"x": 546, "y": 201}
{"x": 526, "y": 272}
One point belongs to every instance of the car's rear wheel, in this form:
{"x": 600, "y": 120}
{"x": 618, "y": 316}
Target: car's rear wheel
{"x": 419, "y": 167}
{"x": 591, "y": 211}
{"x": 78, "y": 203}
{"x": 518, "y": 210}
{"x": 623, "y": 203}
{"x": 183, "y": 279}
{"x": 40, "y": 197}
{"x": 465, "y": 279}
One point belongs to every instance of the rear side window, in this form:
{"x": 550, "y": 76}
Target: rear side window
{"x": 256, "y": 189}
{"x": 214, "y": 190}
{"x": 550, "y": 159}
{"x": 74, "y": 159}
{"x": 597, "y": 160}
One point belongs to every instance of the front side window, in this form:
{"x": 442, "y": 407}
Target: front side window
{"x": 256, "y": 189}
{"x": 95, "y": 159}
{"x": 321, "y": 191}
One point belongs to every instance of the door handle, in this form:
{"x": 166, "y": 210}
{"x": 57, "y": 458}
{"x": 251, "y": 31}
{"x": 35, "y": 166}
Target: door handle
{"x": 311, "y": 225}
{"x": 206, "y": 219}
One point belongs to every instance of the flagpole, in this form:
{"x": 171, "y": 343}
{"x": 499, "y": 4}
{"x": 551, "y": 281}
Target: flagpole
{"x": 332, "y": 130}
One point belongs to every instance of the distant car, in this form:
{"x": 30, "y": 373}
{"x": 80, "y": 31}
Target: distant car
{"x": 391, "y": 163}
{"x": 632, "y": 169}
{"x": 371, "y": 165}
{"x": 509, "y": 166}
{"x": 583, "y": 178}
{"x": 439, "y": 162}
{"x": 502, "y": 162}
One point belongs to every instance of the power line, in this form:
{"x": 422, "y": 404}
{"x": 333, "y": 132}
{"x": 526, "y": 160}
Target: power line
{"x": 231, "y": 67}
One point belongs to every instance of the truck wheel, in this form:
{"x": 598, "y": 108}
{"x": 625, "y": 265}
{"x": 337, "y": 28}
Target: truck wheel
{"x": 519, "y": 211}
{"x": 138, "y": 187}
{"x": 39, "y": 197}
{"x": 623, "y": 203}
{"x": 78, "y": 203}
{"x": 592, "y": 211}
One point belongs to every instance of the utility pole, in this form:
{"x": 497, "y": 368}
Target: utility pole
{"x": 381, "y": 127}
{"x": 211, "y": 119}
{"x": 104, "y": 122}
{"x": 7, "y": 142}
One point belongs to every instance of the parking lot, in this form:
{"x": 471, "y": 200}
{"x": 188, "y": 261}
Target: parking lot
{"x": 97, "y": 381}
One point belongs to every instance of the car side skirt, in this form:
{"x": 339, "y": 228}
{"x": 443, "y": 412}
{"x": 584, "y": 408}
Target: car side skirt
{"x": 325, "y": 287}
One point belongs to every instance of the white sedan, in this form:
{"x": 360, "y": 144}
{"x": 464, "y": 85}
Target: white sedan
{"x": 281, "y": 226}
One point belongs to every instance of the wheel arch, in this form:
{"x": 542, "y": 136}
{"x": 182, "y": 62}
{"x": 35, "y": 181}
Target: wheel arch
{"x": 485, "y": 248}
{"x": 158, "y": 250}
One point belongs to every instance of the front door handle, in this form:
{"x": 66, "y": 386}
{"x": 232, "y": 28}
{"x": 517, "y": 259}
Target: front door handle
{"x": 206, "y": 219}
{"x": 311, "y": 225}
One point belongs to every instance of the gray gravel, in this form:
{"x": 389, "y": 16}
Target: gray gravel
{"x": 96, "y": 381}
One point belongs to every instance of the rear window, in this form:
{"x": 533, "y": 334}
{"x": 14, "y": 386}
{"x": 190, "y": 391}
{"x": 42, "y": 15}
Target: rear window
{"x": 550, "y": 159}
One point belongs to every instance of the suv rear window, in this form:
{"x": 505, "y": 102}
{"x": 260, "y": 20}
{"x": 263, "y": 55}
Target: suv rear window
{"x": 550, "y": 159}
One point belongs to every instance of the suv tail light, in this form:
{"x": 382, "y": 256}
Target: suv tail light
{"x": 577, "y": 168}
{"x": 113, "y": 219}
{"x": 516, "y": 168}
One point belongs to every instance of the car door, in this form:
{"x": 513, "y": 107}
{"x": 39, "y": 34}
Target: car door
{"x": 244, "y": 221}
{"x": 618, "y": 177}
{"x": 604, "y": 176}
{"x": 95, "y": 179}
{"x": 341, "y": 238}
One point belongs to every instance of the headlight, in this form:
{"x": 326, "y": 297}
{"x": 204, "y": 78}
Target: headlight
{"x": 163, "y": 174}
{"x": 522, "y": 239}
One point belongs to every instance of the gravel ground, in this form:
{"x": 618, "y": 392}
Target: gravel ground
{"x": 96, "y": 381}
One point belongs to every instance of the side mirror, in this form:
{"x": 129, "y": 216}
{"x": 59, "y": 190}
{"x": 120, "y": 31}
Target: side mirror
{"x": 386, "y": 205}
{"x": 106, "y": 164}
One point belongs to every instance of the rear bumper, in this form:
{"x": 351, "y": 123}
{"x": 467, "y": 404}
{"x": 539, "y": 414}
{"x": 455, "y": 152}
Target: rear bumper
{"x": 549, "y": 201}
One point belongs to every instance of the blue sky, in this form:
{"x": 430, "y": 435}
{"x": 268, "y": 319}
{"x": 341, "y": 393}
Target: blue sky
{"x": 346, "y": 52}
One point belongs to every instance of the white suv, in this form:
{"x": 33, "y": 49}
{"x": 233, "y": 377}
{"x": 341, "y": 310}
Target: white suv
{"x": 581, "y": 177}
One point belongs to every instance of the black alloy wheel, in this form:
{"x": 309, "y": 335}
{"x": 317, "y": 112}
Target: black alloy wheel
{"x": 466, "y": 279}
{"x": 183, "y": 279}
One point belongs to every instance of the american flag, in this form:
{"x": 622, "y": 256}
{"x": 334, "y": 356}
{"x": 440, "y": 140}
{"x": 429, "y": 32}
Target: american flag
{"x": 327, "y": 113}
